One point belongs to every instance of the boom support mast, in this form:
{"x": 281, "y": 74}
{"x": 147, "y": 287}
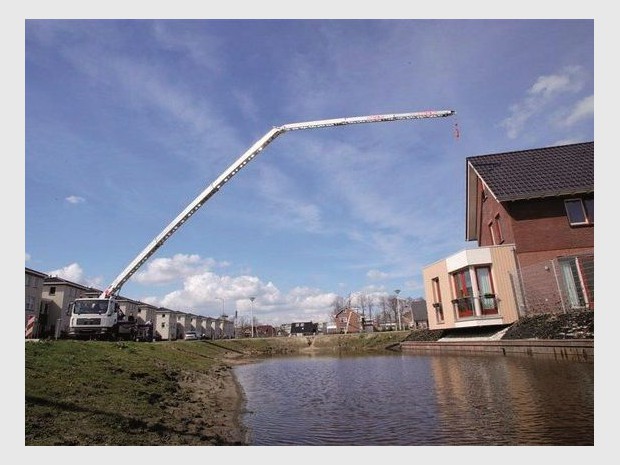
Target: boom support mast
{"x": 233, "y": 169}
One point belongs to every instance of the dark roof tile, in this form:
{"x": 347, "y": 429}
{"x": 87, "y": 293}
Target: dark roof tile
{"x": 537, "y": 173}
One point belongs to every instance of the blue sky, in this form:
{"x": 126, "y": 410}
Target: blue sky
{"x": 127, "y": 121}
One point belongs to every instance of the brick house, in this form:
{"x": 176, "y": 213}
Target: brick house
{"x": 265, "y": 331}
{"x": 531, "y": 213}
{"x": 348, "y": 321}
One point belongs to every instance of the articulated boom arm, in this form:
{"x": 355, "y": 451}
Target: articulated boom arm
{"x": 233, "y": 169}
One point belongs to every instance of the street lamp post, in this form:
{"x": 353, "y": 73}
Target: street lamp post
{"x": 252, "y": 313}
{"x": 400, "y": 326}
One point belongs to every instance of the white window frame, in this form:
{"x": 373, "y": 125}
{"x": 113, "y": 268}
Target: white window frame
{"x": 584, "y": 219}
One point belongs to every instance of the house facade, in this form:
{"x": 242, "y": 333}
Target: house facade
{"x": 129, "y": 308}
{"x": 207, "y": 326}
{"x": 265, "y": 331}
{"x": 531, "y": 213}
{"x": 183, "y": 324}
{"x": 47, "y": 300}
{"x": 165, "y": 324}
{"x": 472, "y": 288}
{"x": 348, "y": 321}
{"x": 416, "y": 318}
{"x": 226, "y": 328}
{"x": 36, "y": 313}
{"x": 146, "y": 313}
{"x": 56, "y": 296}
{"x": 305, "y": 328}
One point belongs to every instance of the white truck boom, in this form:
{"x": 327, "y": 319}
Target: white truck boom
{"x": 107, "y": 296}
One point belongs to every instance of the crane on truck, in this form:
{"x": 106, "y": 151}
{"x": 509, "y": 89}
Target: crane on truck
{"x": 101, "y": 316}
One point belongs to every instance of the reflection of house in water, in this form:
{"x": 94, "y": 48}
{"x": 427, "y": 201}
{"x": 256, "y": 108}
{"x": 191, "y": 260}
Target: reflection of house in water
{"x": 507, "y": 397}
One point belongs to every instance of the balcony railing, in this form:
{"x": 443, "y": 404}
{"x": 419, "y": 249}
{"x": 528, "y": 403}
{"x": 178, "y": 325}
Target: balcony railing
{"x": 465, "y": 307}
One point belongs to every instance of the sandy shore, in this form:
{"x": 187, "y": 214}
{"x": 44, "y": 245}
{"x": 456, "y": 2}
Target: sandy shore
{"x": 213, "y": 406}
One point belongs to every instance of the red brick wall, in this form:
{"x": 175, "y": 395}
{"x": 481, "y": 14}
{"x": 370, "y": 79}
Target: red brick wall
{"x": 489, "y": 210}
{"x": 538, "y": 225}
{"x": 542, "y": 225}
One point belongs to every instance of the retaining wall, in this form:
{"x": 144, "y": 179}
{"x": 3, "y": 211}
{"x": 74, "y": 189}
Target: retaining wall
{"x": 566, "y": 349}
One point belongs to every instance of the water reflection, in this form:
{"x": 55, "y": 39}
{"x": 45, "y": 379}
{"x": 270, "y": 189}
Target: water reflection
{"x": 411, "y": 399}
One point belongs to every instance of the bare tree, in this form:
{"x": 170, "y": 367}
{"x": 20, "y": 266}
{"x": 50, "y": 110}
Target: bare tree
{"x": 384, "y": 315}
{"x": 337, "y": 305}
{"x": 362, "y": 301}
{"x": 393, "y": 306}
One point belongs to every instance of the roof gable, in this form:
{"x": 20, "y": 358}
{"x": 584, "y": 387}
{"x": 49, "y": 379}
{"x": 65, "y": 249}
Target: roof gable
{"x": 537, "y": 173}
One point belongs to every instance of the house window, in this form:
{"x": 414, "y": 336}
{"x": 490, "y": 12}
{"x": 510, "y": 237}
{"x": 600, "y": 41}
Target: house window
{"x": 30, "y": 303}
{"x": 495, "y": 227}
{"x": 437, "y": 304}
{"x": 52, "y": 290}
{"x": 578, "y": 279}
{"x": 579, "y": 211}
{"x": 488, "y": 302}
{"x": 463, "y": 292}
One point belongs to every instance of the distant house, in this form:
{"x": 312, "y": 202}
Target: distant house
{"x": 265, "y": 331}
{"x": 129, "y": 308}
{"x": 207, "y": 326}
{"x": 57, "y": 294}
{"x": 348, "y": 321}
{"x": 531, "y": 213}
{"x": 35, "y": 307}
{"x": 304, "y": 329}
{"x": 417, "y": 317}
{"x": 223, "y": 328}
{"x": 166, "y": 324}
{"x": 146, "y": 313}
{"x": 48, "y": 299}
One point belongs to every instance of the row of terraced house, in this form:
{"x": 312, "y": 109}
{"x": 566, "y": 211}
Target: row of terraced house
{"x": 48, "y": 298}
{"x": 531, "y": 214}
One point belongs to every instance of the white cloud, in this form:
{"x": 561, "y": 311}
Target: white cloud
{"x": 206, "y": 293}
{"x": 541, "y": 95}
{"x": 74, "y": 199}
{"x": 203, "y": 290}
{"x": 27, "y": 256}
{"x": 72, "y": 272}
{"x": 75, "y": 273}
{"x": 165, "y": 270}
{"x": 569, "y": 80}
{"x": 581, "y": 110}
{"x": 377, "y": 275}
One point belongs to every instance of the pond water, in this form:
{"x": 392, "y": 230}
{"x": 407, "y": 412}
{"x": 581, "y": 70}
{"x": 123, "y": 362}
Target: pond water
{"x": 418, "y": 400}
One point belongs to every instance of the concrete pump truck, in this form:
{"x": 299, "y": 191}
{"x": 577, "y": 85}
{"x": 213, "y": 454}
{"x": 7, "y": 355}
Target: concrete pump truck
{"x": 102, "y": 318}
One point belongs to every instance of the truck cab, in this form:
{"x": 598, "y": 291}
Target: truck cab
{"x": 95, "y": 318}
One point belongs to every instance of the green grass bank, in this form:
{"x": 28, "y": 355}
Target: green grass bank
{"x": 161, "y": 393}
{"x": 184, "y": 392}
